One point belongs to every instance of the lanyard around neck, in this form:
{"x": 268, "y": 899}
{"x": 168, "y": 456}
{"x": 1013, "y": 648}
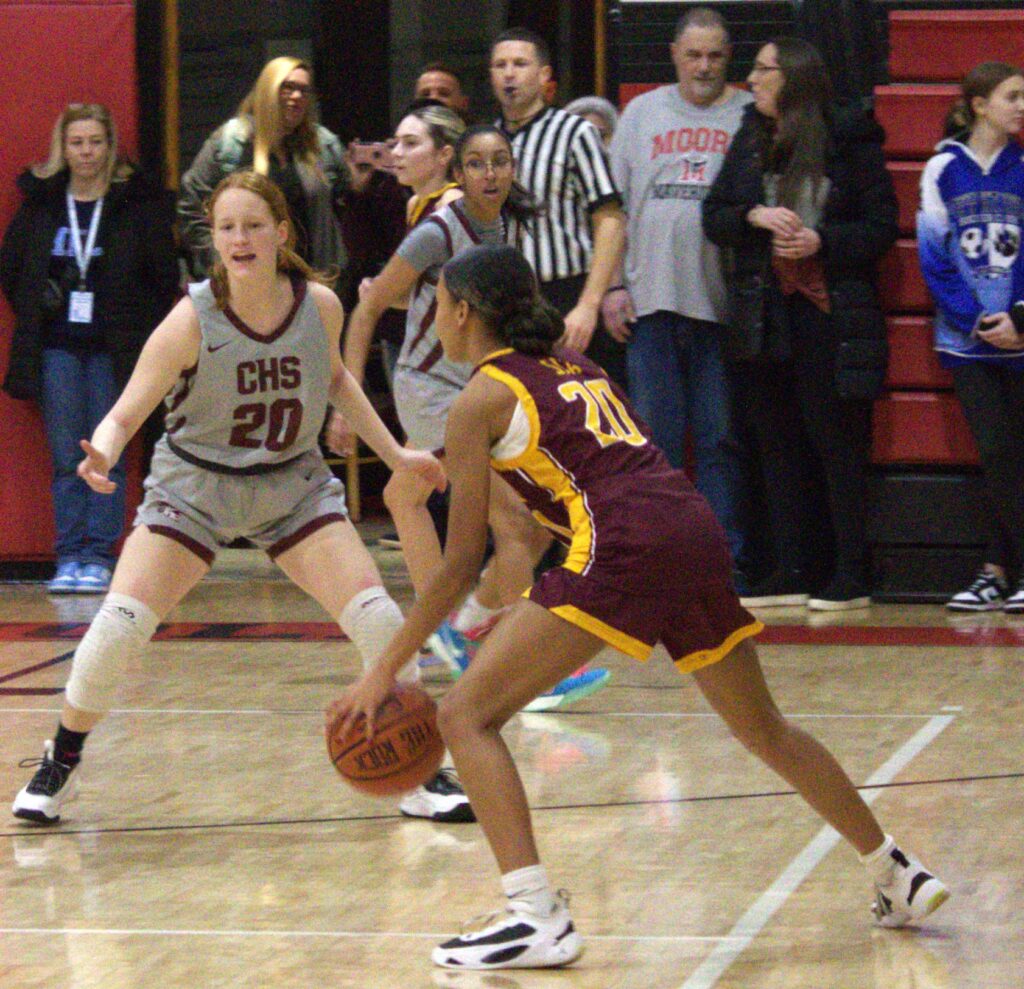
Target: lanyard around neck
{"x": 83, "y": 254}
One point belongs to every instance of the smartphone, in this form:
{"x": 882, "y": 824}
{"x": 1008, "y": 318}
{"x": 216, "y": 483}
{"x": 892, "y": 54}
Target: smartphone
{"x": 376, "y": 154}
{"x": 1017, "y": 315}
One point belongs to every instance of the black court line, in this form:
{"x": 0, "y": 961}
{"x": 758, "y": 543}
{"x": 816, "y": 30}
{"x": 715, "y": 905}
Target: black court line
{"x": 17, "y": 674}
{"x": 42, "y": 831}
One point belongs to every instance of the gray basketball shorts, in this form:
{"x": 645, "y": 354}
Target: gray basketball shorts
{"x": 204, "y": 510}
{"x": 422, "y": 403}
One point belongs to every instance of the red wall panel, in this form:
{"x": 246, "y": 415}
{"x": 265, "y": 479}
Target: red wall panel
{"x": 55, "y": 53}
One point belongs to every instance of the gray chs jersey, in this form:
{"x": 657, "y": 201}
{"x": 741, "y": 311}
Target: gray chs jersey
{"x": 421, "y": 350}
{"x": 251, "y": 402}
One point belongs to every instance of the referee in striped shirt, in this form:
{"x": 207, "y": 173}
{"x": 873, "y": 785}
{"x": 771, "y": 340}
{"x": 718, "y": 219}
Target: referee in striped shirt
{"x": 576, "y": 244}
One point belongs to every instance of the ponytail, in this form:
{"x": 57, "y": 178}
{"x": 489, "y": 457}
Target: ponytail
{"x": 979, "y": 82}
{"x": 498, "y": 284}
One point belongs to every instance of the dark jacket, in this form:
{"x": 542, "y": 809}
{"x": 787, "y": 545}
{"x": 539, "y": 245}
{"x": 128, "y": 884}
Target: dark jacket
{"x": 136, "y": 277}
{"x": 858, "y": 226}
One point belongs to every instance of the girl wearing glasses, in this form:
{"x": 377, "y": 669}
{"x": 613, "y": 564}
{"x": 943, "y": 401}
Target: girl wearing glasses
{"x": 491, "y": 210}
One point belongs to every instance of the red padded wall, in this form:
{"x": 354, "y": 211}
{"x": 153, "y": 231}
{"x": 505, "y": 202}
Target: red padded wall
{"x": 55, "y": 52}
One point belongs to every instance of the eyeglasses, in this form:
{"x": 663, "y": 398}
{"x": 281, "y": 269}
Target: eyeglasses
{"x": 297, "y": 88}
{"x": 479, "y": 166}
{"x": 760, "y": 70}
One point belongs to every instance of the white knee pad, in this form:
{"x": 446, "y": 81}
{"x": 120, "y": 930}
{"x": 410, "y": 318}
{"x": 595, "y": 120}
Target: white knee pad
{"x": 371, "y": 620}
{"x": 120, "y": 631}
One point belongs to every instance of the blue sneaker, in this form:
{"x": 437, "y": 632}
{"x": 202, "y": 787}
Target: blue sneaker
{"x": 581, "y": 684}
{"x": 65, "y": 580}
{"x": 93, "y": 578}
{"x": 453, "y": 648}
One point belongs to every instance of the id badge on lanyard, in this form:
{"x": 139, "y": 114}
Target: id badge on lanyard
{"x": 80, "y": 301}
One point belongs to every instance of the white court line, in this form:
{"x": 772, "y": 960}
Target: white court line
{"x": 421, "y": 935}
{"x": 772, "y": 899}
{"x": 885, "y": 716}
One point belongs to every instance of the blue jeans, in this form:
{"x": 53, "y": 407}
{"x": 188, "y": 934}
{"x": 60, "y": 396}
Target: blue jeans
{"x": 79, "y": 389}
{"x": 677, "y": 379}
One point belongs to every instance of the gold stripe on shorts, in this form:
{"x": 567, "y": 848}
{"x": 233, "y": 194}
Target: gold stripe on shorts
{"x": 705, "y": 657}
{"x": 621, "y": 641}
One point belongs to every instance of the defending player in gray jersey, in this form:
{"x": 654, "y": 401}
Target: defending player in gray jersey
{"x": 249, "y": 360}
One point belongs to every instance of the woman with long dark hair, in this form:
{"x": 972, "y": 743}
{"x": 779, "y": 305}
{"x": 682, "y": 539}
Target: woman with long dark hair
{"x": 969, "y": 238}
{"x": 647, "y": 562}
{"x": 804, "y": 208}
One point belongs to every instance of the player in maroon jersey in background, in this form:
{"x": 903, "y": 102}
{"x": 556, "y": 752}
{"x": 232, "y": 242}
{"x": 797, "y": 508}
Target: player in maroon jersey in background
{"x": 647, "y": 563}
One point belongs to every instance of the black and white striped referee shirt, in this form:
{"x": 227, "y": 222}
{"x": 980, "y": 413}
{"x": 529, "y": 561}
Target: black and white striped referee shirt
{"x": 561, "y": 161}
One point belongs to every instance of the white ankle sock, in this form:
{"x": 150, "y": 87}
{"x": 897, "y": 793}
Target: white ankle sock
{"x": 528, "y": 889}
{"x": 879, "y": 863}
{"x": 472, "y": 613}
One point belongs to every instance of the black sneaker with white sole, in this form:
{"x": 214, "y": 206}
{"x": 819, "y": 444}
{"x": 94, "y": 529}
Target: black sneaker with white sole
{"x": 516, "y": 939}
{"x": 988, "y": 593}
{"x": 442, "y": 799}
{"x": 40, "y": 799}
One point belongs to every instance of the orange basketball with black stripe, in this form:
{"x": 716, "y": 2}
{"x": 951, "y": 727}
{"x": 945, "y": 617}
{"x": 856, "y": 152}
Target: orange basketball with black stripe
{"x": 405, "y": 751}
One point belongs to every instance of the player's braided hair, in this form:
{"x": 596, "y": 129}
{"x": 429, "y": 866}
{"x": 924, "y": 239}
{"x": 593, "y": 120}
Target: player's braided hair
{"x": 499, "y": 285}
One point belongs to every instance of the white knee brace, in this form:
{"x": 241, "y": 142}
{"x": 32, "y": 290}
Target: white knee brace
{"x": 120, "y": 630}
{"x": 370, "y": 620}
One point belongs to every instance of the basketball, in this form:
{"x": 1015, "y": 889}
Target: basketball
{"x": 405, "y": 751}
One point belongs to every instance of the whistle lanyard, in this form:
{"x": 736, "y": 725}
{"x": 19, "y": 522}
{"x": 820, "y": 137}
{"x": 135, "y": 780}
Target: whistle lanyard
{"x": 83, "y": 255}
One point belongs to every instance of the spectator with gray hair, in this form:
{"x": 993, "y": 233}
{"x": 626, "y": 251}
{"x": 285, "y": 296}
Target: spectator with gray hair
{"x": 599, "y": 111}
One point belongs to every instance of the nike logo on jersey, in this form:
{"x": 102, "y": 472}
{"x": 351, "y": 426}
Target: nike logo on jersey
{"x": 213, "y": 350}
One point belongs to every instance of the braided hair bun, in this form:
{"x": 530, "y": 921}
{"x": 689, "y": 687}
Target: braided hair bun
{"x": 499, "y": 284}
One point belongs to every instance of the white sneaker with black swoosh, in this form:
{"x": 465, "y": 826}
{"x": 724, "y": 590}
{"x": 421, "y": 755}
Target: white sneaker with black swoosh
{"x": 911, "y": 894}
{"x": 516, "y": 939}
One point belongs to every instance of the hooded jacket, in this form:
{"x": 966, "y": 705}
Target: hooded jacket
{"x": 135, "y": 278}
{"x": 969, "y": 231}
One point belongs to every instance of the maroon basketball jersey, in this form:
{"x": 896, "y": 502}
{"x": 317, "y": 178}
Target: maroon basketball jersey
{"x": 589, "y": 471}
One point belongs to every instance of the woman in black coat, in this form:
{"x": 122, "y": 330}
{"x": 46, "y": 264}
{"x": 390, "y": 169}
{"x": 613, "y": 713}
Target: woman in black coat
{"x": 805, "y": 209}
{"x": 84, "y": 302}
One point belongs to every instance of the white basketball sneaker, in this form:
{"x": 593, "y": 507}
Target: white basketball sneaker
{"x": 518, "y": 939}
{"x": 53, "y": 783}
{"x": 911, "y": 894}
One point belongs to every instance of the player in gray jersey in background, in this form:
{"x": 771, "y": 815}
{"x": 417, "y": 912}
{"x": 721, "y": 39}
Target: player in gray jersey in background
{"x": 247, "y": 362}
{"x": 493, "y": 210}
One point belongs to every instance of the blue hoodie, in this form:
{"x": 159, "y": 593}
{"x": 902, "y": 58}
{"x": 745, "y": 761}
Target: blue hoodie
{"x": 969, "y": 230}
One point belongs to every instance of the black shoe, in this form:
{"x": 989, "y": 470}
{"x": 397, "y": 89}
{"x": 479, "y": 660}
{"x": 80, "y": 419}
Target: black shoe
{"x": 843, "y": 593}
{"x": 784, "y": 588}
{"x": 989, "y": 592}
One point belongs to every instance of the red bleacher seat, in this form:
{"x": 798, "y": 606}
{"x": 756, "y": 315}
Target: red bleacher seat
{"x": 921, "y": 428}
{"x": 913, "y": 362}
{"x": 900, "y": 282}
{"x": 906, "y": 178}
{"x": 943, "y": 45}
{"x": 913, "y": 117}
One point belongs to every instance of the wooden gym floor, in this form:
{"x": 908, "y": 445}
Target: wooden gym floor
{"x": 211, "y": 843}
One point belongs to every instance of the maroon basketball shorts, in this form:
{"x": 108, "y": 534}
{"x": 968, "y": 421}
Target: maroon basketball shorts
{"x": 680, "y": 595}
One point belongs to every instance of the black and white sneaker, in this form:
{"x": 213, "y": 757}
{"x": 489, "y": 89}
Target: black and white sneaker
{"x": 910, "y": 895}
{"x": 516, "y": 939}
{"x": 1014, "y": 604}
{"x": 40, "y": 799}
{"x": 988, "y": 593}
{"x": 441, "y": 799}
